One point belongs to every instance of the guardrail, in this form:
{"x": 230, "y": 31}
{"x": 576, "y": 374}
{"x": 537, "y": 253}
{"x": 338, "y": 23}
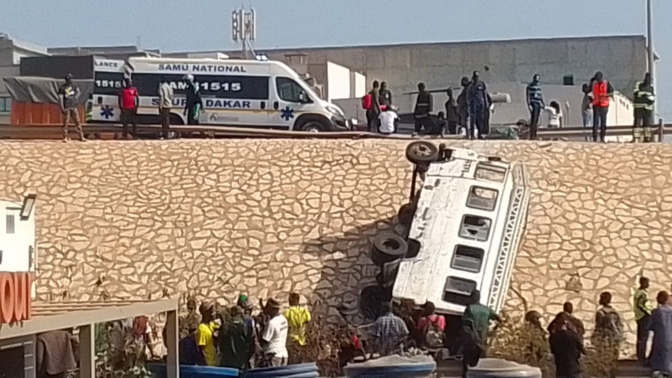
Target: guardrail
{"x": 107, "y": 131}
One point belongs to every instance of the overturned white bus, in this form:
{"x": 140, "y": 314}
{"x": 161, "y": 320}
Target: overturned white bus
{"x": 465, "y": 226}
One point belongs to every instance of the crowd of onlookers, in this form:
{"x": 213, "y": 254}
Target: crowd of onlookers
{"x": 234, "y": 337}
{"x": 565, "y": 333}
{"x": 238, "y": 337}
{"x": 468, "y": 113}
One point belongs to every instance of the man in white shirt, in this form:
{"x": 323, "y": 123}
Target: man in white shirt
{"x": 387, "y": 118}
{"x": 165, "y": 105}
{"x": 274, "y": 337}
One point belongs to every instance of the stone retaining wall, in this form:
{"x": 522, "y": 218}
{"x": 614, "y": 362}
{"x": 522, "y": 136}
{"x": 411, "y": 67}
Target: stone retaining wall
{"x": 216, "y": 218}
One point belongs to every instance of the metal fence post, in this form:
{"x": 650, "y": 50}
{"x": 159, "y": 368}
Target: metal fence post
{"x": 661, "y": 130}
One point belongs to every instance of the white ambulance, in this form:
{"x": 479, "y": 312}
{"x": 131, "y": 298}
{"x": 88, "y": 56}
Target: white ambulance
{"x": 240, "y": 93}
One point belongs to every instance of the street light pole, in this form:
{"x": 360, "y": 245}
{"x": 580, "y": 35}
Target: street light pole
{"x": 649, "y": 40}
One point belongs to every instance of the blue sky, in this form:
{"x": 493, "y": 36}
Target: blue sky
{"x": 173, "y": 25}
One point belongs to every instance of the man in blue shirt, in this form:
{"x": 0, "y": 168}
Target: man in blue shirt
{"x": 477, "y": 101}
{"x": 535, "y": 103}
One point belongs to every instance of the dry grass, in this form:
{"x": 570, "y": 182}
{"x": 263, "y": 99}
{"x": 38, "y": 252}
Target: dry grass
{"x": 323, "y": 343}
{"x": 117, "y": 354}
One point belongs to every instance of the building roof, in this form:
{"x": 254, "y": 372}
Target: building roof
{"x": 23, "y": 45}
{"x": 49, "y": 316}
{"x": 102, "y": 50}
{"x": 435, "y": 44}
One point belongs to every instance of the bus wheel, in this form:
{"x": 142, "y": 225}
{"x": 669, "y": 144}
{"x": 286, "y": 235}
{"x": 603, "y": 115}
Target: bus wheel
{"x": 422, "y": 152}
{"x": 388, "y": 246}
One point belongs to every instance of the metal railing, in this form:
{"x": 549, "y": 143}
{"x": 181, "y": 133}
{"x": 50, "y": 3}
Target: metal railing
{"x": 107, "y": 131}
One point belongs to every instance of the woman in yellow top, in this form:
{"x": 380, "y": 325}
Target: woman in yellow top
{"x": 297, "y": 318}
{"x": 205, "y": 337}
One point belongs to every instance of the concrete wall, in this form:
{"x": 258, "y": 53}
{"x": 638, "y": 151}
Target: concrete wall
{"x": 217, "y": 218}
{"x": 338, "y": 82}
{"x": 439, "y": 65}
{"x": 5, "y": 100}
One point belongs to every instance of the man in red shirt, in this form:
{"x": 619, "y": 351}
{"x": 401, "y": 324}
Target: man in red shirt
{"x": 128, "y": 103}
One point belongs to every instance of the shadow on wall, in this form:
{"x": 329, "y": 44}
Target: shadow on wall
{"x": 348, "y": 270}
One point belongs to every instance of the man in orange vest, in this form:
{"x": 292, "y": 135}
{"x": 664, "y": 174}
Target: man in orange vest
{"x": 602, "y": 91}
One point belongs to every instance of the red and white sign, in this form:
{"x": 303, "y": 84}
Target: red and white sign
{"x": 15, "y": 297}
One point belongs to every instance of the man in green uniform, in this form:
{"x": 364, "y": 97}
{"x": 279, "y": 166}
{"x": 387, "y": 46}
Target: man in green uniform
{"x": 475, "y": 324}
{"x": 644, "y": 99}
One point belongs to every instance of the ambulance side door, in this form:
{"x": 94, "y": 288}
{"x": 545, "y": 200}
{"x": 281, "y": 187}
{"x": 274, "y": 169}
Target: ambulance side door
{"x": 287, "y": 106}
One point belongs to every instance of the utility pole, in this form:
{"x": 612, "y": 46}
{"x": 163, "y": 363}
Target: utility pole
{"x": 649, "y": 43}
{"x": 244, "y": 29}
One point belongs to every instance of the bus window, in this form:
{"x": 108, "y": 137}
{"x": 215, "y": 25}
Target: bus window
{"x": 458, "y": 290}
{"x": 475, "y": 228}
{"x": 490, "y": 173}
{"x": 468, "y": 259}
{"x": 482, "y": 198}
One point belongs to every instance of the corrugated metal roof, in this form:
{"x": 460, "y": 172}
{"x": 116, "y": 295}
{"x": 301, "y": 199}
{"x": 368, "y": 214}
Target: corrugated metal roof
{"x": 42, "y": 309}
{"x": 48, "y": 316}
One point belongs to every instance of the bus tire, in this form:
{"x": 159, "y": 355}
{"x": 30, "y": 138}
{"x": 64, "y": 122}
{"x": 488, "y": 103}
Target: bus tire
{"x": 388, "y": 246}
{"x": 312, "y": 124}
{"x": 406, "y": 213}
{"x": 422, "y": 152}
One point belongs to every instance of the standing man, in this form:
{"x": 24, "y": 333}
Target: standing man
{"x": 128, "y": 103}
{"x": 234, "y": 340}
{"x": 608, "y": 333}
{"x": 298, "y": 318}
{"x": 535, "y": 103}
{"x": 475, "y": 324}
{"x": 644, "y": 100}
{"x": 205, "y": 338}
{"x": 373, "y": 112}
{"x": 69, "y": 95}
{"x": 661, "y": 325}
{"x": 389, "y": 330}
{"x": 166, "y": 96}
{"x": 602, "y": 91}
{"x": 477, "y": 103}
{"x": 587, "y": 107}
{"x": 452, "y": 112}
{"x": 463, "y": 106}
{"x": 194, "y": 104}
{"x": 385, "y": 95}
{"x": 567, "y": 348}
{"x": 642, "y": 311}
{"x": 274, "y": 336}
{"x": 423, "y": 106}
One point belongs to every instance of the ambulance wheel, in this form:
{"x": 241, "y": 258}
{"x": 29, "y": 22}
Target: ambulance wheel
{"x": 388, "y": 246}
{"x": 312, "y": 126}
{"x": 422, "y": 152}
